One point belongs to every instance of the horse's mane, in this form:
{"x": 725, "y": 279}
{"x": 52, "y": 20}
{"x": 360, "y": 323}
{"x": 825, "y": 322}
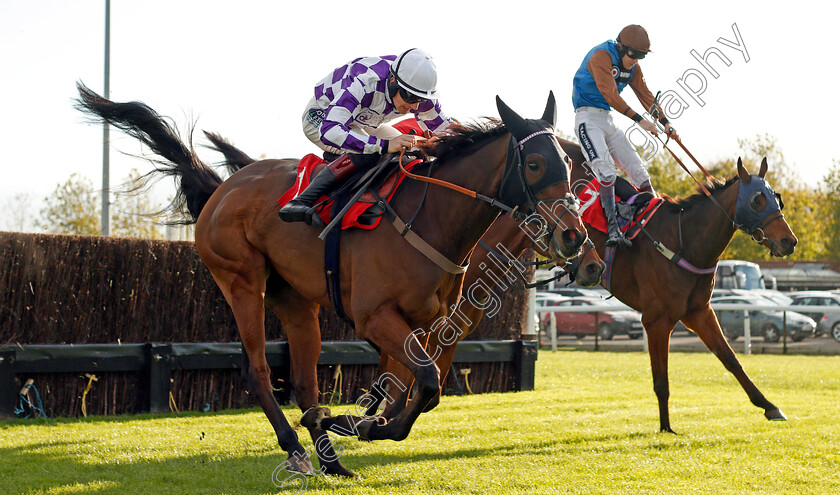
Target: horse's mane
{"x": 464, "y": 138}
{"x": 699, "y": 196}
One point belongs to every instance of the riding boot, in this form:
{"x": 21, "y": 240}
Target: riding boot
{"x": 301, "y": 208}
{"x": 614, "y": 235}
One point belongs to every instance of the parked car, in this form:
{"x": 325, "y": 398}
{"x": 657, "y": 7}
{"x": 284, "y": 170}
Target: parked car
{"x": 768, "y": 324}
{"x": 777, "y": 297}
{"x": 609, "y": 323}
{"x": 826, "y": 322}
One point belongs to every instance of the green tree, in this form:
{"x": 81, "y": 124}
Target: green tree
{"x": 75, "y": 208}
{"x": 829, "y": 213}
{"x": 668, "y": 177}
{"x": 72, "y": 208}
{"x": 135, "y": 213}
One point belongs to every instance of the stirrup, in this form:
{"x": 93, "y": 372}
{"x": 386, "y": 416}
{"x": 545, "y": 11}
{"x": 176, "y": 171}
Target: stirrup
{"x": 313, "y": 218}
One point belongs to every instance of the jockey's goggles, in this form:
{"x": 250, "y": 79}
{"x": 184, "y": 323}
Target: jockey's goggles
{"x": 635, "y": 54}
{"x": 410, "y": 98}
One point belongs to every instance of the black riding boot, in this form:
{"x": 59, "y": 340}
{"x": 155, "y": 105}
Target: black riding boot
{"x": 300, "y": 209}
{"x": 614, "y": 235}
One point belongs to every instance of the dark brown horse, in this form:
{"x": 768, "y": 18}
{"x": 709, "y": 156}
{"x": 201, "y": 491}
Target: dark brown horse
{"x": 698, "y": 231}
{"x": 488, "y": 274}
{"x": 388, "y": 286}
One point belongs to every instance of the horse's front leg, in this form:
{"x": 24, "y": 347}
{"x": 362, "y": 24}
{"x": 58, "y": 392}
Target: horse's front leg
{"x": 393, "y": 386}
{"x": 387, "y": 328}
{"x": 705, "y": 324}
{"x": 659, "y": 337}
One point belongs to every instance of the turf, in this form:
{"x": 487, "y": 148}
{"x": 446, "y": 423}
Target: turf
{"x": 589, "y": 427}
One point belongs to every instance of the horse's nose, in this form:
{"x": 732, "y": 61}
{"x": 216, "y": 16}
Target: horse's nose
{"x": 595, "y": 269}
{"x": 788, "y": 245}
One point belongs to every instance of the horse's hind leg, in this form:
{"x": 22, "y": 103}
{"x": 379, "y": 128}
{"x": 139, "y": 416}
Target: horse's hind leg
{"x": 706, "y": 326}
{"x": 300, "y": 321}
{"x": 243, "y": 289}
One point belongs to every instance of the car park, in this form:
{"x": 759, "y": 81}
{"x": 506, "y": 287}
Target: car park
{"x": 766, "y": 323}
{"x": 607, "y": 324}
{"x": 826, "y": 322}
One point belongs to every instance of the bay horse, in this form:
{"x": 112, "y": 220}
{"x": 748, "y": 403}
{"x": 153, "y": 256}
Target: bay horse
{"x": 388, "y": 287}
{"x": 698, "y": 231}
{"x": 493, "y": 258}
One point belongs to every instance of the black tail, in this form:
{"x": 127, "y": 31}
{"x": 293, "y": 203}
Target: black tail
{"x": 196, "y": 181}
{"x": 235, "y": 158}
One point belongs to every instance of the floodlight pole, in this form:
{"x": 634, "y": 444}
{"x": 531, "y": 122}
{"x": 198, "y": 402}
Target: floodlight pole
{"x": 106, "y": 178}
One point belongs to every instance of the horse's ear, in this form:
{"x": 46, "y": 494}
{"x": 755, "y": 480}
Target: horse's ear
{"x": 763, "y": 170}
{"x": 742, "y": 172}
{"x": 550, "y": 114}
{"x": 515, "y": 124}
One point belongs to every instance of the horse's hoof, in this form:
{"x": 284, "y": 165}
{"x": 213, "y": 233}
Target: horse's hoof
{"x": 300, "y": 464}
{"x": 775, "y": 415}
{"x": 313, "y": 416}
{"x": 363, "y": 427}
{"x": 667, "y": 429}
{"x": 336, "y": 469}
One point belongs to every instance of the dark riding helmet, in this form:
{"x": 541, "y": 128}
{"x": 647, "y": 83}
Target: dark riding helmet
{"x": 633, "y": 40}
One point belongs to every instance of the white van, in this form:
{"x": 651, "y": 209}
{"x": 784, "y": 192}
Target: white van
{"x": 737, "y": 274}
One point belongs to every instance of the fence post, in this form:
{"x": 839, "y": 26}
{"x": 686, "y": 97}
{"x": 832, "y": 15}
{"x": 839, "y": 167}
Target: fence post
{"x": 747, "y": 333}
{"x": 524, "y": 363}
{"x": 8, "y": 394}
{"x": 158, "y": 377}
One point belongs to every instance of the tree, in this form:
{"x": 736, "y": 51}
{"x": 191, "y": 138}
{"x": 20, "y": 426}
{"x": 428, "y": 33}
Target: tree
{"x": 18, "y": 213}
{"x": 135, "y": 214}
{"x": 829, "y": 213}
{"x": 72, "y": 209}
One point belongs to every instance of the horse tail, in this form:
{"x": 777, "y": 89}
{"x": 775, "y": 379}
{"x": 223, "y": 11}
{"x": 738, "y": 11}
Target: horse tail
{"x": 196, "y": 181}
{"x": 235, "y": 159}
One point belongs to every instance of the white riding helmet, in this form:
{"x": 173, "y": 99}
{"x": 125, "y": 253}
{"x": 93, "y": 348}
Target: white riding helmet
{"x": 415, "y": 72}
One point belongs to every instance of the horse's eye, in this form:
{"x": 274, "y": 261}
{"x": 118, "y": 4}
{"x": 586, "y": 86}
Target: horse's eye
{"x": 533, "y": 166}
{"x": 757, "y": 201}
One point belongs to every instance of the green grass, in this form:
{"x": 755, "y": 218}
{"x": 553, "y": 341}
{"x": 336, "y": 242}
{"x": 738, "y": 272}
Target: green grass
{"x": 590, "y": 427}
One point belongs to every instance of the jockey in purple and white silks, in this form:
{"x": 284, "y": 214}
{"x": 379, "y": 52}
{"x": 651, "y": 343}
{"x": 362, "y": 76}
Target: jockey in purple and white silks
{"x": 348, "y": 114}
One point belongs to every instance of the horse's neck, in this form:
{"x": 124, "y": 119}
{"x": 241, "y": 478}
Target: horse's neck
{"x": 713, "y": 227}
{"x": 453, "y": 222}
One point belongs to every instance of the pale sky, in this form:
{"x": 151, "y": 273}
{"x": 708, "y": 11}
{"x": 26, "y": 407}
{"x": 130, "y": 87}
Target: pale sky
{"x": 246, "y": 69}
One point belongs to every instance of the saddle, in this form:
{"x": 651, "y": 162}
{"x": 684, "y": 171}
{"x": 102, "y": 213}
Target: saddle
{"x": 365, "y": 213}
{"x": 634, "y": 208}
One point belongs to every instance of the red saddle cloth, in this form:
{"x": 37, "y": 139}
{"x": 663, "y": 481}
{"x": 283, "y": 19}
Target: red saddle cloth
{"x": 310, "y": 165}
{"x": 592, "y": 212}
